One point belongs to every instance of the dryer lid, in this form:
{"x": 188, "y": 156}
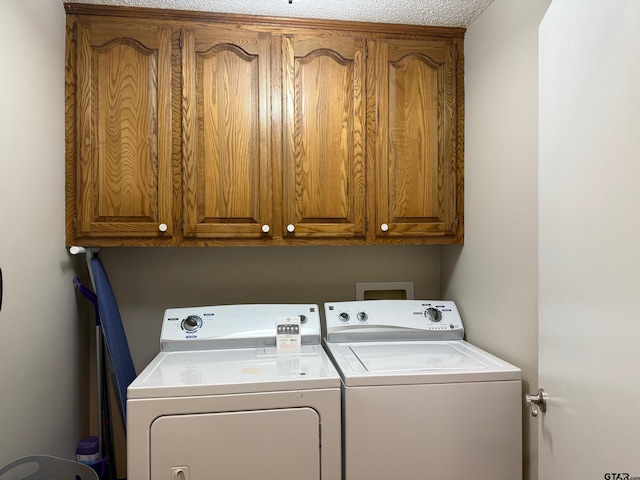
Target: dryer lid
{"x": 232, "y": 371}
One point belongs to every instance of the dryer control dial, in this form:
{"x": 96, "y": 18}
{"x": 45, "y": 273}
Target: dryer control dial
{"x": 191, "y": 323}
{"x": 433, "y": 314}
{"x": 362, "y": 317}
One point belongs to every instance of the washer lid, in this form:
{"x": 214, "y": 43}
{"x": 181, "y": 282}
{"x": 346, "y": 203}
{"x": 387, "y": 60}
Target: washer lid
{"x": 414, "y": 358}
{"x": 401, "y": 363}
{"x": 232, "y": 371}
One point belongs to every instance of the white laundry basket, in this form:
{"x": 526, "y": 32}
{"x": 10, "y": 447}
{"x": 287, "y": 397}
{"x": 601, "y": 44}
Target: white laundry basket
{"x": 45, "y": 467}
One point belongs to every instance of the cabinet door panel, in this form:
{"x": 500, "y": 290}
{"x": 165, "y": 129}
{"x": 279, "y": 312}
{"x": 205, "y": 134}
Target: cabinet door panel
{"x": 323, "y": 161}
{"x": 226, "y": 157}
{"x": 416, "y": 141}
{"x": 124, "y": 131}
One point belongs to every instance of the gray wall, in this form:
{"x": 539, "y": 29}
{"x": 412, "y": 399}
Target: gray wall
{"x": 146, "y": 281}
{"x": 43, "y": 408}
{"x": 493, "y": 278}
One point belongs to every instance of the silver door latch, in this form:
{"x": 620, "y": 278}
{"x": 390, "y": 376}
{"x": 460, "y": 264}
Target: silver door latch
{"x": 537, "y": 402}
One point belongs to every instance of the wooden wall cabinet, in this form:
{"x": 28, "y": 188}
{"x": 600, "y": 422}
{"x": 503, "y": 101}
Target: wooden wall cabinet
{"x": 121, "y": 180}
{"x": 418, "y": 176}
{"x": 226, "y": 147}
{"x": 323, "y": 161}
{"x": 202, "y": 129}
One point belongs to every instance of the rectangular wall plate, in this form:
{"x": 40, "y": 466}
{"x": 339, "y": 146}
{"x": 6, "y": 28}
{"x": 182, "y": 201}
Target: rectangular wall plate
{"x": 384, "y": 291}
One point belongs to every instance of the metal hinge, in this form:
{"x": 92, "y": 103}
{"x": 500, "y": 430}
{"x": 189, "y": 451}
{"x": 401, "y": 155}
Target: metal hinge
{"x": 180, "y": 41}
{"x": 366, "y": 50}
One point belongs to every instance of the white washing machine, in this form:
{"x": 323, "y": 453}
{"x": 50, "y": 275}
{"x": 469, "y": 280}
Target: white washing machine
{"x": 237, "y": 392}
{"x": 419, "y": 402}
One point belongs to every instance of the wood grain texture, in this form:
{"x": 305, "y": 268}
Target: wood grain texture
{"x": 219, "y": 124}
{"x": 71, "y": 135}
{"x": 323, "y": 161}
{"x": 175, "y": 139}
{"x": 270, "y": 24}
{"x": 416, "y": 185}
{"x": 458, "y": 156}
{"x": 226, "y": 140}
{"x": 123, "y": 128}
{"x": 125, "y": 115}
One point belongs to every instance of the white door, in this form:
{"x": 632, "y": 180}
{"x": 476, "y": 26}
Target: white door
{"x": 589, "y": 240}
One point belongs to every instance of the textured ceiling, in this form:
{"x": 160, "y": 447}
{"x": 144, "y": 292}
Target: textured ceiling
{"x": 446, "y": 13}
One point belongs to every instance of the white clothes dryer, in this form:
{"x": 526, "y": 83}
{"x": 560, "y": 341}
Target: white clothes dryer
{"x": 419, "y": 402}
{"x": 237, "y": 392}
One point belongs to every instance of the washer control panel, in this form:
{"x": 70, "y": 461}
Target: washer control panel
{"x": 382, "y": 320}
{"x": 235, "y": 326}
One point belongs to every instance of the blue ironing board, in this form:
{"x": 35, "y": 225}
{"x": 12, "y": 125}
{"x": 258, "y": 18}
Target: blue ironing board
{"x": 114, "y": 335}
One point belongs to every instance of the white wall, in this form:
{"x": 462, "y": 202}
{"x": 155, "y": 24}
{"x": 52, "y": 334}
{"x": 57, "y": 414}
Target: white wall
{"x": 589, "y": 260}
{"x": 42, "y": 406}
{"x": 493, "y": 278}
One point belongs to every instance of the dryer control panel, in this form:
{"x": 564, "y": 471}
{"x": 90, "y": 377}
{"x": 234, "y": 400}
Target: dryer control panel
{"x": 235, "y": 326}
{"x": 396, "y": 320}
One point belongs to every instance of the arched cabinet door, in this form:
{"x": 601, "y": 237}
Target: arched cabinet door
{"x": 418, "y": 95}
{"x": 323, "y": 160}
{"x": 226, "y": 125}
{"x": 121, "y": 165}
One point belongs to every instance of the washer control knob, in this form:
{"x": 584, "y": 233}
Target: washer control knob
{"x": 433, "y": 314}
{"x": 343, "y": 316}
{"x": 191, "y": 323}
{"x": 362, "y": 317}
